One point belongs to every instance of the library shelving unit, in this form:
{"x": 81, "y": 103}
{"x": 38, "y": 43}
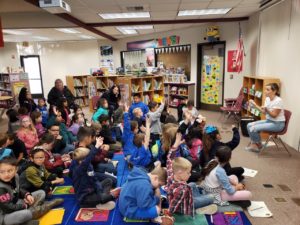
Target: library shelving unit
{"x": 12, "y": 83}
{"x": 149, "y": 87}
{"x": 5, "y": 87}
{"x": 77, "y": 84}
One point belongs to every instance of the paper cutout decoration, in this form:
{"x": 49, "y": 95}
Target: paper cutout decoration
{"x": 54, "y": 216}
{"x": 92, "y": 215}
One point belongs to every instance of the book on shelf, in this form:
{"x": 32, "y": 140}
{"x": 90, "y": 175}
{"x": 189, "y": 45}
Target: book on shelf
{"x": 135, "y": 87}
{"x": 157, "y": 85}
{"x": 84, "y": 81}
{"x": 79, "y": 92}
{"x": 146, "y": 85}
{"x": 101, "y": 84}
{"x": 110, "y": 83}
{"x": 79, "y": 102}
{"x": 77, "y": 82}
{"x": 182, "y": 91}
{"x": 146, "y": 99}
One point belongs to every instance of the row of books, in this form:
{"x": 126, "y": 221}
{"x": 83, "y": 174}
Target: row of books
{"x": 146, "y": 85}
{"x": 135, "y": 88}
{"x": 178, "y": 90}
{"x": 80, "y": 92}
{"x": 5, "y": 78}
{"x": 80, "y": 102}
{"x": 101, "y": 84}
{"x": 253, "y": 92}
{"x": 157, "y": 84}
{"x": 79, "y": 82}
{"x": 175, "y": 78}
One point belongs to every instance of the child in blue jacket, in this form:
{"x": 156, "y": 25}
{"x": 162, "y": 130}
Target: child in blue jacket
{"x": 138, "y": 104}
{"x": 130, "y": 129}
{"x": 42, "y": 108}
{"x": 140, "y": 195}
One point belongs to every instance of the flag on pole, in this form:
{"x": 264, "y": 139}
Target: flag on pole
{"x": 240, "y": 53}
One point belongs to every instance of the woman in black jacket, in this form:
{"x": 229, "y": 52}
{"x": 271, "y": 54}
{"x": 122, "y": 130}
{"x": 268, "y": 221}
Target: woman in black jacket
{"x": 26, "y": 101}
{"x": 112, "y": 96}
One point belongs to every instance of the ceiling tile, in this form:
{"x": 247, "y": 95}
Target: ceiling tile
{"x": 164, "y": 6}
{"x": 245, "y": 9}
{"x": 192, "y": 6}
{"x": 224, "y": 4}
{"x": 109, "y": 30}
{"x": 166, "y": 15}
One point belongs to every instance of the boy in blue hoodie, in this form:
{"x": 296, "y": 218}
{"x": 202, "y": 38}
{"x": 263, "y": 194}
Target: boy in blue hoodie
{"x": 130, "y": 129}
{"x": 140, "y": 195}
{"x": 89, "y": 191}
{"x": 42, "y": 107}
{"x": 137, "y": 103}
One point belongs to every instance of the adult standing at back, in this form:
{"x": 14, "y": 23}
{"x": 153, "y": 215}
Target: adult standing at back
{"x": 60, "y": 91}
{"x": 275, "y": 119}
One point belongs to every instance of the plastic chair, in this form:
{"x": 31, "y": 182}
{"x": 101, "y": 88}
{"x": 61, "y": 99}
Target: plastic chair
{"x": 232, "y": 101}
{"x": 233, "y": 110}
{"x": 275, "y": 136}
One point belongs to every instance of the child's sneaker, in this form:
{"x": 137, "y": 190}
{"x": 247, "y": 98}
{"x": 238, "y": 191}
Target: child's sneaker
{"x": 39, "y": 200}
{"x": 106, "y": 206}
{"x": 209, "y": 210}
{"x": 115, "y": 192}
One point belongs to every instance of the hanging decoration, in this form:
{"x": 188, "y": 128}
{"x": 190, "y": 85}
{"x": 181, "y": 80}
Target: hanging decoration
{"x": 240, "y": 52}
{"x": 212, "y": 34}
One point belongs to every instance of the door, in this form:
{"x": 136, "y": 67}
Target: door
{"x": 210, "y": 75}
{"x": 32, "y": 66}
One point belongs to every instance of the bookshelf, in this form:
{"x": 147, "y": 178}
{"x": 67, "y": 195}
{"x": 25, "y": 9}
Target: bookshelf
{"x": 254, "y": 88}
{"x": 79, "y": 87}
{"x": 12, "y": 83}
{"x": 5, "y": 87}
{"x": 175, "y": 92}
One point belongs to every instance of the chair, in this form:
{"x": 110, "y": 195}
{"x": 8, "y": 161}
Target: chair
{"x": 274, "y": 136}
{"x": 234, "y": 110}
{"x": 232, "y": 101}
{"x": 95, "y": 101}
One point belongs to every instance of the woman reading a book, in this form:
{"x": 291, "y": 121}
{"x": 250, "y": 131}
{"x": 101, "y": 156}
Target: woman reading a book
{"x": 275, "y": 119}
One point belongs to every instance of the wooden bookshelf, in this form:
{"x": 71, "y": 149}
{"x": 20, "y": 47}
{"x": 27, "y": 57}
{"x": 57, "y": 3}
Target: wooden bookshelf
{"x": 176, "y": 92}
{"x": 12, "y": 83}
{"x": 79, "y": 87}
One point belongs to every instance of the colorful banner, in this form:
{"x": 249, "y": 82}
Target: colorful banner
{"x": 211, "y": 80}
{"x": 168, "y": 41}
{"x": 231, "y": 61}
{"x": 136, "y": 45}
{"x": 1, "y": 36}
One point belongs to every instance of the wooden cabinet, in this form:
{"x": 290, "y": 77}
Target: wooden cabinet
{"x": 79, "y": 88}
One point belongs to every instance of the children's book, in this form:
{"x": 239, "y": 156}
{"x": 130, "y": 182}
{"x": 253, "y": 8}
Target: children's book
{"x": 250, "y": 172}
{"x": 63, "y": 190}
{"x": 92, "y": 215}
{"x": 54, "y": 216}
{"x": 259, "y": 209}
{"x": 127, "y": 220}
{"x": 228, "y": 218}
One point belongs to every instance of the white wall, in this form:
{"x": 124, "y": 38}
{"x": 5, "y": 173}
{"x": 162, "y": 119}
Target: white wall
{"x": 279, "y": 57}
{"x": 58, "y": 59}
{"x": 195, "y": 35}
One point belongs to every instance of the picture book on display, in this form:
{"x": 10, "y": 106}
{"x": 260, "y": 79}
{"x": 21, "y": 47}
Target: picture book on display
{"x": 63, "y": 190}
{"x": 92, "y": 215}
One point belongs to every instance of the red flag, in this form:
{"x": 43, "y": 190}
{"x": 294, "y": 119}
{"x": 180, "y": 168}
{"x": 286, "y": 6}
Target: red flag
{"x": 240, "y": 55}
{"x": 1, "y": 36}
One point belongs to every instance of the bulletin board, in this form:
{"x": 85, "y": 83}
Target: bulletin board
{"x": 211, "y": 79}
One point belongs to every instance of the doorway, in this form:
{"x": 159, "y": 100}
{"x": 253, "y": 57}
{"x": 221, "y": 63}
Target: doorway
{"x": 32, "y": 66}
{"x": 210, "y": 75}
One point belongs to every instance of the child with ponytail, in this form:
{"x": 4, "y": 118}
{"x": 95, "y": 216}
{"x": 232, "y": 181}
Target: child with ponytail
{"x": 217, "y": 182}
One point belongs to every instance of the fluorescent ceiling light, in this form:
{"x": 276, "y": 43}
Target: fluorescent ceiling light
{"x": 129, "y": 15}
{"x": 86, "y": 36}
{"x": 202, "y": 12}
{"x": 68, "y": 30}
{"x": 15, "y": 32}
{"x": 143, "y": 27}
{"x": 41, "y": 38}
{"x": 127, "y": 31}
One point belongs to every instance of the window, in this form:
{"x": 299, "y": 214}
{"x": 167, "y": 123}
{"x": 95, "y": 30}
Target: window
{"x": 32, "y": 66}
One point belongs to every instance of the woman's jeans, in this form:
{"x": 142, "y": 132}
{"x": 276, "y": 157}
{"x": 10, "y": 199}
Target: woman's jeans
{"x": 255, "y": 128}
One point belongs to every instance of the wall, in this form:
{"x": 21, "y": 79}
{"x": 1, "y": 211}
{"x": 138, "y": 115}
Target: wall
{"x": 58, "y": 59}
{"x": 278, "y": 56}
{"x": 194, "y": 35}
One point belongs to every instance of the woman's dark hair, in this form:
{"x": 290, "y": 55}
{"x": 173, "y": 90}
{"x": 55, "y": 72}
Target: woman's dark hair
{"x": 22, "y": 96}
{"x": 274, "y": 87}
{"x": 223, "y": 154}
{"x": 9, "y": 160}
{"x": 208, "y": 140}
{"x": 34, "y": 115}
{"x": 61, "y": 102}
{"x": 112, "y": 88}
{"x": 101, "y": 102}
{"x": 46, "y": 139}
{"x": 12, "y": 115}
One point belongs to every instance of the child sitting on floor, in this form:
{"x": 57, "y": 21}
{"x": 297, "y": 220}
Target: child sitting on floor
{"x": 42, "y": 108}
{"x": 18, "y": 206}
{"x": 18, "y": 147}
{"x": 140, "y": 195}
{"x": 36, "y": 176}
{"x": 36, "y": 118}
{"x": 89, "y": 191}
{"x": 65, "y": 111}
{"x": 4, "y": 151}
{"x": 212, "y": 141}
{"x": 191, "y": 109}
{"x": 102, "y": 109}
{"x": 137, "y": 103}
{"x": 141, "y": 155}
{"x": 13, "y": 121}
{"x": 27, "y": 133}
{"x": 139, "y": 117}
{"x": 130, "y": 129}
{"x": 77, "y": 122}
{"x": 117, "y": 117}
{"x": 217, "y": 182}
{"x": 184, "y": 198}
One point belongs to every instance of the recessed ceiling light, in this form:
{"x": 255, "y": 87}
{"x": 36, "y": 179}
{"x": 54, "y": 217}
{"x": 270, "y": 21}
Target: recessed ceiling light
{"x": 68, "y": 30}
{"x": 202, "y": 12}
{"x": 127, "y": 31}
{"x": 15, "y": 32}
{"x": 143, "y": 27}
{"x": 42, "y": 38}
{"x": 128, "y": 15}
{"x": 86, "y": 36}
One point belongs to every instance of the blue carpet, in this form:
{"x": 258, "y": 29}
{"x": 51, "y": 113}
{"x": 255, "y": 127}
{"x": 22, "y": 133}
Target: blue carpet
{"x": 115, "y": 218}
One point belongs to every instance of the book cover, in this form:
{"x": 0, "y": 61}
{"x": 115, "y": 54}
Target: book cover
{"x": 92, "y": 215}
{"x": 63, "y": 190}
{"x": 54, "y": 216}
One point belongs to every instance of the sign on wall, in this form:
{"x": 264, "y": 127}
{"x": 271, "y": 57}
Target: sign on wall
{"x": 231, "y": 61}
{"x": 153, "y": 43}
{"x": 1, "y": 36}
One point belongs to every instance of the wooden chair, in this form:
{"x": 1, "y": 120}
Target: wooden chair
{"x": 275, "y": 136}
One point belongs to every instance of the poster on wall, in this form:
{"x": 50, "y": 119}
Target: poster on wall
{"x": 150, "y": 57}
{"x": 231, "y": 61}
{"x": 106, "y": 59}
{"x": 137, "y": 45}
{"x": 211, "y": 79}
{"x": 106, "y": 50}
